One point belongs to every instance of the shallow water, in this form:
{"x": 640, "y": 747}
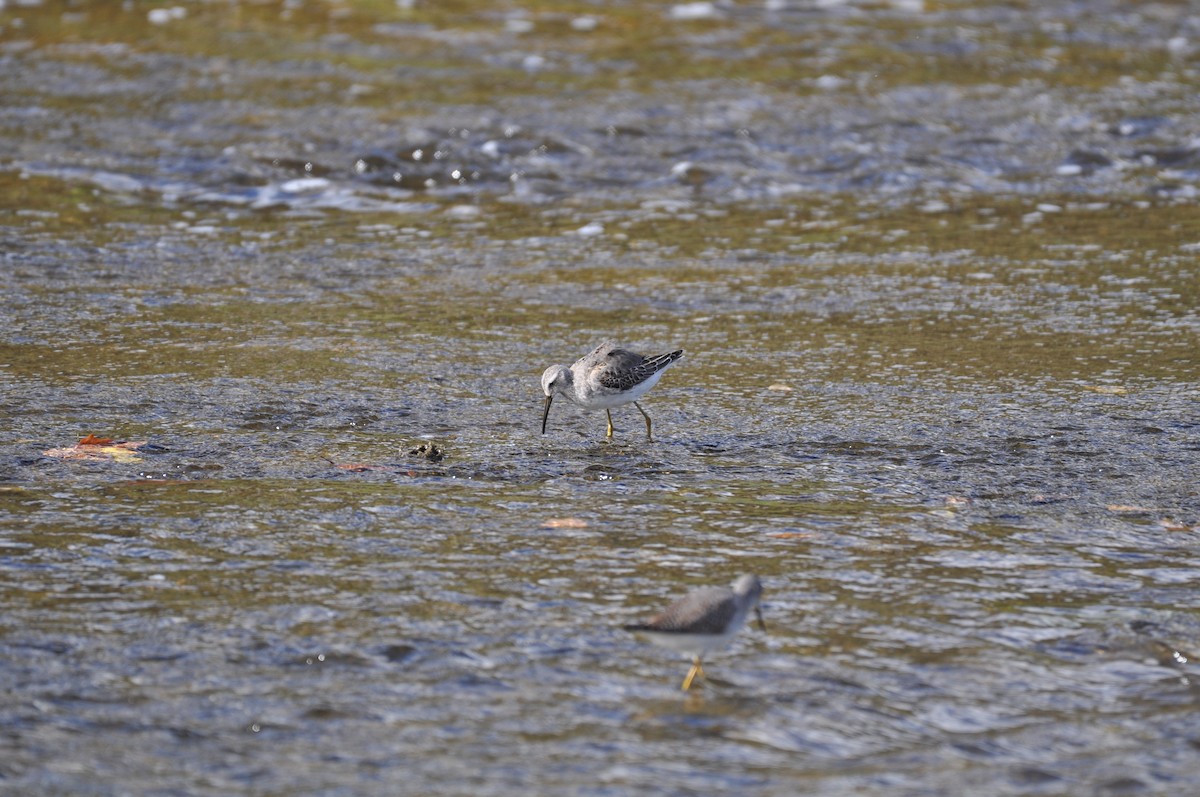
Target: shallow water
{"x": 934, "y": 271}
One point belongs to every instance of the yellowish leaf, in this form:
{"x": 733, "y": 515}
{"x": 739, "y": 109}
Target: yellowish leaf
{"x": 565, "y": 523}
{"x": 100, "y": 450}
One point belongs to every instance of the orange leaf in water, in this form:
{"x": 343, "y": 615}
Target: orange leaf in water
{"x": 355, "y": 467}
{"x": 92, "y": 440}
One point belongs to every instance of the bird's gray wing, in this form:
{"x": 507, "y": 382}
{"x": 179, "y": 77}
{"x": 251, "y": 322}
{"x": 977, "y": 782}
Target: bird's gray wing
{"x": 705, "y": 611}
{"x": 622, "y": 369}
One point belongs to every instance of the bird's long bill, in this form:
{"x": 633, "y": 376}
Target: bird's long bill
{"x": 546, "y": 414}
{"x": 761, "y": 624}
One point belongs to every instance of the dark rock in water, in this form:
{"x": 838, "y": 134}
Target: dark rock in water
{"x": 398, "y": 652}
{"x": 429, "y": 451}
{"x": 1089, "y": 160}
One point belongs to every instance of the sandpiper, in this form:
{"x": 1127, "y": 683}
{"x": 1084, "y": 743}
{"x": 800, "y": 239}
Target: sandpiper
{"x": 607, "y": 377}
{"x": 704, "y": 620}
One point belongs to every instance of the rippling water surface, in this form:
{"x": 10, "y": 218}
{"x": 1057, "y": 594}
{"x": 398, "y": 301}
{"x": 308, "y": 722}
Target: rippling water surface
{"x": 934, "y": 268}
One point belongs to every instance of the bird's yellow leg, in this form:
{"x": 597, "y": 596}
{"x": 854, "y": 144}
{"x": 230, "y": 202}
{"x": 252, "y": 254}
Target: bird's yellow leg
{"x": 692, "y": 673}
{"x": 610, "y": 428}
{"x": 644, "y": 415}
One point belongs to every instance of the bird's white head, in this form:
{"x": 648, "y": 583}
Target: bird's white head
{"x": 748, "y": 585}
{"x": 555, "y": 379}
{"x": 751, "y": 587}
